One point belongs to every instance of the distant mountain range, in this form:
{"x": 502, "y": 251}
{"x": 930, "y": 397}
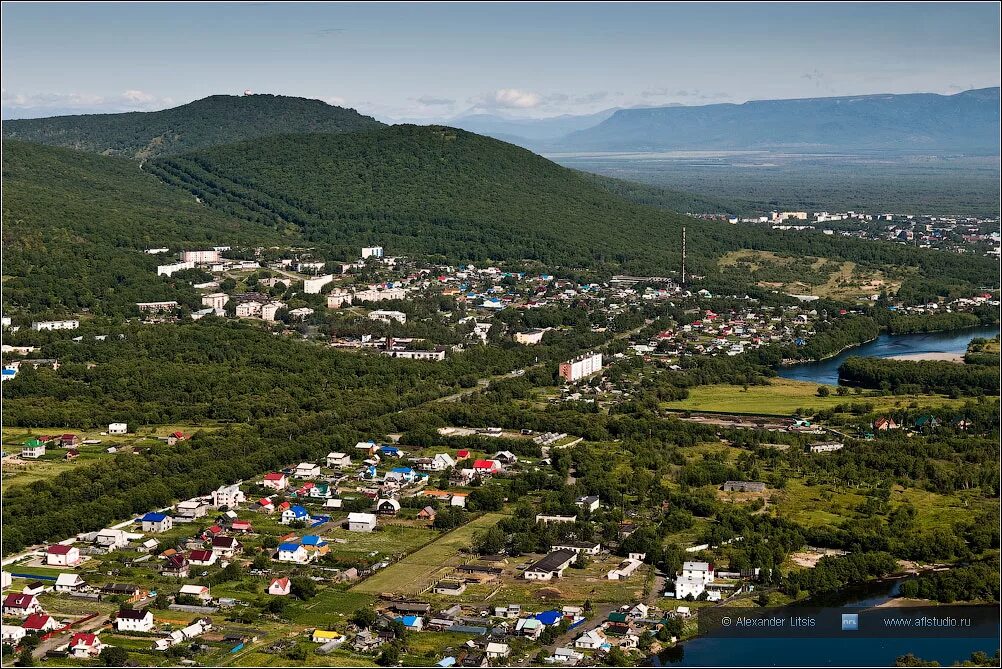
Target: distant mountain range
{"x": 526, "y": 130}
{"x": 218, "y": 119}
{"x": 967, "y": 122}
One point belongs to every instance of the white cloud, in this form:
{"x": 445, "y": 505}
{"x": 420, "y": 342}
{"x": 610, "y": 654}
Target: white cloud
{"x": 507, "y": 98}
{"x": 17, "y": 104}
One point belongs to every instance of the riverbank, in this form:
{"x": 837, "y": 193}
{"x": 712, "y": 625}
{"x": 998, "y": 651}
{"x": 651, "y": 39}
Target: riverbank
{"x": 941, "y": 357}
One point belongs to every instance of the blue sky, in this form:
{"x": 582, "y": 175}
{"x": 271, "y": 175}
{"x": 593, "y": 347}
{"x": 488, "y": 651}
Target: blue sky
{"x": 434, "y": 61}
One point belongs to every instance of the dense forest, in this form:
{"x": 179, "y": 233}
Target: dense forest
{"x": 449, "y": 193}
{"x": 927, "y": 375}
{"x": 75, "y": 226}
{"x": 218, "y": 119}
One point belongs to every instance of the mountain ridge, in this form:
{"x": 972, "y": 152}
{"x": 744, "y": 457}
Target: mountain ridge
{"x": 217, "y": 119}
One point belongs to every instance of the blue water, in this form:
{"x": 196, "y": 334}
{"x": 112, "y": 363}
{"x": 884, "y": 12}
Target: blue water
{"x": 886, "y": 346}
{"x": 824, "y": 652}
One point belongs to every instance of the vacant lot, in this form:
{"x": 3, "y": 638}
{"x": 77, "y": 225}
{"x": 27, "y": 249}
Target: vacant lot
{"x": 784, "y": 396}
{"x": 422, "y": 568}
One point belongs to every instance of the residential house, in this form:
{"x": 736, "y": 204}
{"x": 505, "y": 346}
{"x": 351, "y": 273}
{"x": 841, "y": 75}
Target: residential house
{"x": 280, "y": 587}
{"x": 130, "y": 593}
{"x": 203, "y": 558}
{"x": 338, "y": 460}
{"x": 199, "y": 592}
{"x": 412, "y": 623}
{"x": 487, "y": 467}
{"x": 294, "y": 513}
{"x": 225, "y": 547}
{"x": 589, "y": 503}
{"x": 134, "y": 620}
{"x": 307, "y": 471}
{"x": 387, "y": 507}
{"x": 693, "y": 580}
{"x": 585, "y": 547}
{"x": 191, "y": 509}
{"x": 625, "y": 569}
{"x": 497, "y": 651}
{"x": 59, "y": 555}
{"x": 156, "y": 522}
{"x": 290, "y": 552}
{"x": 12, "y": 634}
{"x": 743, "y": 486}
{"x": 118, "y": 428}
{"x": 39, "y": 623}
{"x": 85, "y": 645}
{"x": 450, "y": 586}
{"x": 884, "y": 423}
{"x": 591, "y": 640}
{"x": 529, "y": 628}
{"x": 68, "y": 583}
{"x": 321, "y": 491}
{"x": 326, "y": 636}
{"x": 176, "y": 565}
{"x": 361, "y": 522}
{"x": 21, "y": 605}
{"x": 230, "y": 496}
{"x": 33, "y": 449}
{"x": 275, "y": 481}
{"x": 544, "y": 518}
{"x": 243, "y": 526}
{"x": 427, "y": 513}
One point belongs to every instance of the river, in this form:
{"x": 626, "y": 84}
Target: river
{"x": 824, "y": 652}
{"x": 886, "y": 346}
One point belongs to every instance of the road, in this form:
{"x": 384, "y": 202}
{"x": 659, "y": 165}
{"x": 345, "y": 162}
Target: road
{"x": 64, "y": 638}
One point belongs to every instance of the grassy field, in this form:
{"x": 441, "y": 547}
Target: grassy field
{"x": 422, "y": 568}
{"x": 785, "y": 396}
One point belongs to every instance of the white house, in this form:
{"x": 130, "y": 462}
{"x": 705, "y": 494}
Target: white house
{"x": 134, "y": 620}
{"x": 338, "y": 460}
{"x": 118, "y": 428}
{"x": 191, "y": 509}
{"x": 550, "y": 567}
{"x": 497, "y": 651}
{"x": 85, "y": 645}
{"x": 361, "y": 522}
{"x": 313, "y": 286}
{"x": 280, "y": 587}
{"x": 230, "y": 496}
{"x": 33, "y": 449}
{"x": 693, "y": 580}
{"x": 12, "y": 634}
{"x": 589, "y": 503}
{"x": 59, "y": 555}
{"x": 590, "y": 640}
{"x": 157, "y": 522}
{"x": 307, "y": 470}
{"x": 294, "y": 513}
{"x": 386, "y": 316}
{"x": 199, "y": 592}
{"x": 275, "y": 481}
{"x": 69, "y": 583}
{"x": 624, "y": 570}
{"x": 289, "y": 552}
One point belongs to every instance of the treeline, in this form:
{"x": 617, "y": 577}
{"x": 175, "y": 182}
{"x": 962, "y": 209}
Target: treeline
{"x": 833, "y": 573}
{"x": 972, "y": 583}
{"x": 927, "y": 375}
{"x": 931, "y": 323}
{"x": 834, "y": 336}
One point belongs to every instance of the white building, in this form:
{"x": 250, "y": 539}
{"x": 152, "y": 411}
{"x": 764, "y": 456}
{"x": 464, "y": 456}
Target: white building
{"x": 290, "y": 552}
{"x": 530, "y": 338}
{"x": 372, "y": 252}
{"x": 118, "y": 428}
{"x": 270, "y": 310}
{"x": 12, "y": 634}
{"x": 338, "y": 460}
{"x": 200, "y": 256}
{"x": 157, "y": 522}
{"x": 69, "y": 583}
{"x": 314, "y": 286}
{"x": 191, "y": 509}
{"x": 169, "y": 270}
{"x": 248, "y": 309}
{"x": 580, "y": 367}
{"x": 33, "y": 449}
{"x": 215, "y": 300}
{"x": 377, "y": 295}
{"x": 134, "y": 620}
{"x": 693, "y": 580}
{"x": 361, "y": 522}
{"x": 55, "y": 325}
{"x": 60, "y": 555}
{"x": 387, "y": 316}
{"x": 417, "y": 355}
{"x": 624, "y": 570}
{"x": 338, "y": 298}
{"x": 230, "y": 496}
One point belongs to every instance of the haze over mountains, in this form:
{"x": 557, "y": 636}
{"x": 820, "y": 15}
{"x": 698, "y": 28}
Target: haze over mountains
{"x": 967, "y": 122}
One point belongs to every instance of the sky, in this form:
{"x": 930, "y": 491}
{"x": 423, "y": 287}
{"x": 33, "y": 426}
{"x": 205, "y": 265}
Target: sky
{"x": 418, "y": 61}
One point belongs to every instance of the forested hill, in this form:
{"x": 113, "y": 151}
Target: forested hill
{"x": 965, "y": 122}
{"x": 219, "y": 119}
{"x": 447, "y": 192}
{"x": 75, "y": 226}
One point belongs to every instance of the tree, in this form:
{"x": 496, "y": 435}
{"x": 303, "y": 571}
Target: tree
{"x": 364, "y": 618}
{"x": 114, "y": 656}
{"x": 302, "y": 587}
{"x": 389, "y": 656}
{"x": 489, "y": 541}
{"x": 824, "y": 391}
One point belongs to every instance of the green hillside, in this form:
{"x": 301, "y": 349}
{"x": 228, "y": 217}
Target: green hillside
{"x": 219, "y": 119}
{"x": 75, "y": 225}
{"x": 447, "y": 192}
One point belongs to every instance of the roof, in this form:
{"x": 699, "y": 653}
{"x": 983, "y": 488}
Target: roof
{"x": 274, "y": 477}
{"x": 200, "y": 556}
{"x": 485, "y": 464}
{"x": 326, "y": 634}
{"x": 299, "y": 511}
{"x": 554, "y": 561}
{"x": 289, "y": 547}
{"x": 83, "y": 639}
{"x": 280, "y": 582}
{"x": 223, "y": 542}
{"x": 133, "y": 614}
{"x": 36, "y": 621}
{"x": 18, "y": 601}
{"x": 549, "y": 617}
{"x": 58, "y": 549}
{"x": 153, "y": 517}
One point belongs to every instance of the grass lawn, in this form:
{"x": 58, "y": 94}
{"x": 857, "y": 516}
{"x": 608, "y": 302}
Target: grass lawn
{"x": 420, "y": 569}
{"x": 785, "y": 396}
